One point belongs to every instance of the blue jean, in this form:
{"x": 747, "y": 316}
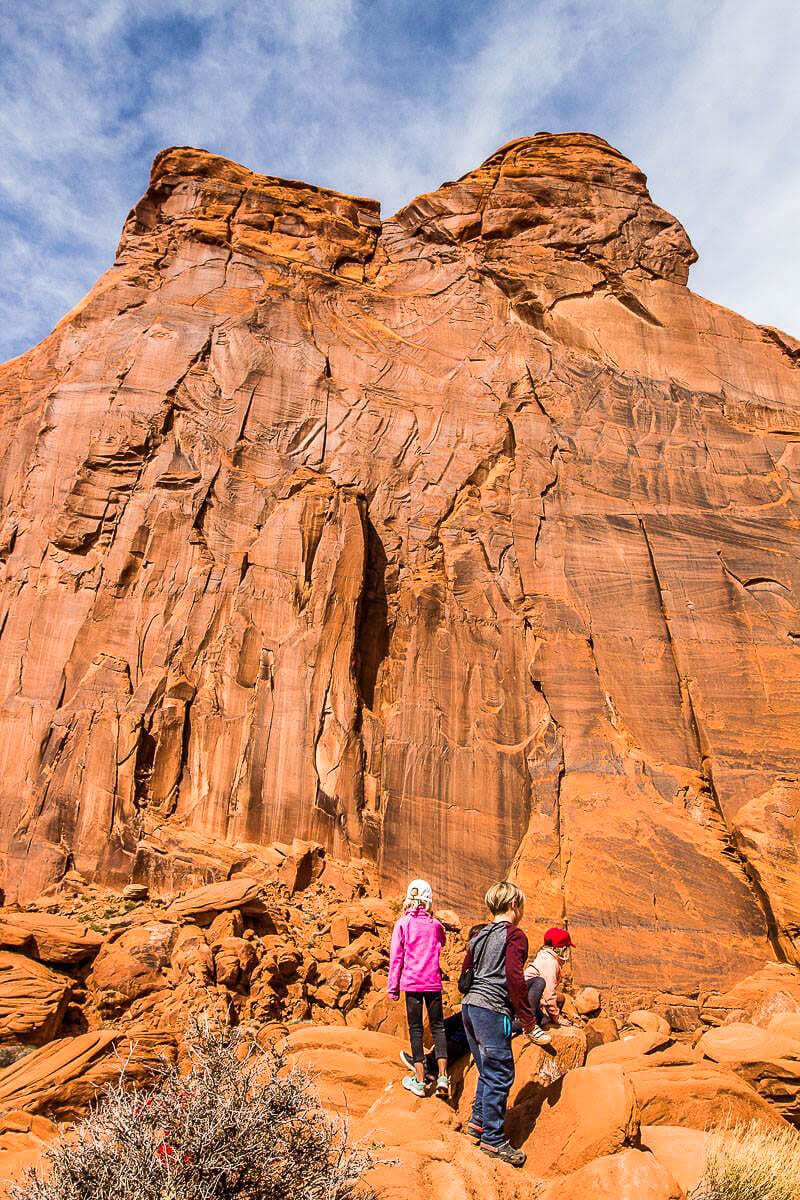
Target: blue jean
{"x": 489, "y": 1037}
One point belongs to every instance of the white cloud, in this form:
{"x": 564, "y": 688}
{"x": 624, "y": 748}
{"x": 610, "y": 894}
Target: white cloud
{"x": 388, "y": 98}
{"x": 722, "y": 151}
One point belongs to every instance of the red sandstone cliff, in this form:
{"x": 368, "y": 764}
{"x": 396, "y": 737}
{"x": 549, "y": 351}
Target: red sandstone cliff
{"x": 464, "y": 540}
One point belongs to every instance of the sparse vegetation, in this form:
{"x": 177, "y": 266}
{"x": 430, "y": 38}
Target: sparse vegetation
{"x": 751, "y": 1162}
{"x": 241, "y": 1124}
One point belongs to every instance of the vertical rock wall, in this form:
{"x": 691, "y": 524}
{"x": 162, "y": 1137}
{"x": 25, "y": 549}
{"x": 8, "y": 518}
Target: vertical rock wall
{"x": 466, "y": 542}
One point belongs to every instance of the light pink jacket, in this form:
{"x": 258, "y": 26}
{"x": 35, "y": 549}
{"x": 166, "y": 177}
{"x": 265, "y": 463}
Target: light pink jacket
{"x": 417, "y": 941}
{"x": 546, "y": 965}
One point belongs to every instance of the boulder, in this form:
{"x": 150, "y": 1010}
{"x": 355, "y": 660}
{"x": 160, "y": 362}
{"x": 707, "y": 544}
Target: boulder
{"x": 648, "y": 1022}
{"x": 751, "y": 994}
{"x": 600, "y": 1031}
{"x": 191, "y": 956}
{"x": 628, "y": 1047}
{"x": 135, "y": 892}
{"x": 769, "y": 1061}
{"x": 681, "y": 1151}
{"x": 587, "y": 1002}
{"x": 367, "y": 951}
{"x": 303, "y": 864}
{"x": 50, "y": 938}
{"x": 785, "y": 1024}
{"x": 351, "y": 1067}
{"x": 234, "y": 959}
{"x": 696, "y": 1095}
{"x": 203, "y": 904}
{"x": 340, "y": 931}
{"x": 61, "y": 1079}
{"x": 538, "y": 1070}
{"x": 33, "y": 999}
{"x": 427, "y": 1158}
{"x": 776, "y": 1004}
{"x": 225, "y": 924}
{"x": 591, "y": 1113}
{"x": 131, "y": 965}
{"x": 23, "y": 1138}
{"x": 630, "y": 1175}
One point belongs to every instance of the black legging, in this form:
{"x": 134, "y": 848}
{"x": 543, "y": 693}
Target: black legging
{"x": 433, "y": 1003}
{"x": 536, "y": 988}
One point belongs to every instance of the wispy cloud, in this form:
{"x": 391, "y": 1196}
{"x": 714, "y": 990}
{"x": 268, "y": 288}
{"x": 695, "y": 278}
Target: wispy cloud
{"x": 388, "y": 98}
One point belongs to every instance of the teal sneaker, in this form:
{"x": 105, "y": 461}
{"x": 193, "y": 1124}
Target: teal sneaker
{"x": 413, "y": 1085}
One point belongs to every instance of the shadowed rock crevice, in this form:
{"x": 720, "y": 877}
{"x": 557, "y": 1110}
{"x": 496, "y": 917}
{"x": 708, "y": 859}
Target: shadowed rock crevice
{"x": 374, "y": 628}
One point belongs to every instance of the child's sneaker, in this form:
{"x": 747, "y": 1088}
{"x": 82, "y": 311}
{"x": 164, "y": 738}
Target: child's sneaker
{"x": 406, "y": 1060}
{"x": 443, "y": 1087}
{"x": 413, "y": 1085}
{"x": 506, "y": 1153}
{"x": 540, "y": 1037}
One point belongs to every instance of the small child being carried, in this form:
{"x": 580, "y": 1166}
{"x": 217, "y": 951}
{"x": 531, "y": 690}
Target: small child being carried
{"x": 417, "y": 941}
{"x": 542, "y": 976}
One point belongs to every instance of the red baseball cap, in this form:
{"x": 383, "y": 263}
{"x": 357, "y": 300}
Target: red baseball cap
{"x": 558, "y": 937}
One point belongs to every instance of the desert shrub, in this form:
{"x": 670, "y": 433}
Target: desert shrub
{"x": 241, "y": 1124}
{"x": 751, "y": 1162}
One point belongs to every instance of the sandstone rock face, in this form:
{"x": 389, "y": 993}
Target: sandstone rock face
{"x": 32, "y": 999}
{"x": 766, "y": 1059}
{"x": 681, "y": 1151}
{"x": 594, "y": 1114}
{"x": 53, "y": 939}
{"x": 468, "y": 537}
{"x": 630, "y": 1175}
{"x": 63, "y": 1078}
{"x": 758, "y": 997}
{"x": 23, "y": 1138}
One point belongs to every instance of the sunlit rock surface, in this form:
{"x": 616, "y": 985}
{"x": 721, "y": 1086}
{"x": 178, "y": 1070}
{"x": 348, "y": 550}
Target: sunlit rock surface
{"x": 459, "y": 541}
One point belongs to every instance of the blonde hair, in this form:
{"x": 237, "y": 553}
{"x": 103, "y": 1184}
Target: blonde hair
{"x": 504, "y": 896}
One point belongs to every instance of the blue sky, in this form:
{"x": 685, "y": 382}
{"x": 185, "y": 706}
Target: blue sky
{"x": 389, "y": 98}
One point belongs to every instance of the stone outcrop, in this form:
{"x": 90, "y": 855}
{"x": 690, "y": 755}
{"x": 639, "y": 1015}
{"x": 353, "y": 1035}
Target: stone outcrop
{"x": 48, "y": 937}
{"x": 63, "y": 1078}
{"x": 33, "y": 1000}
{"x": 462, "y": 542}
{"x": 766, "y": 1059}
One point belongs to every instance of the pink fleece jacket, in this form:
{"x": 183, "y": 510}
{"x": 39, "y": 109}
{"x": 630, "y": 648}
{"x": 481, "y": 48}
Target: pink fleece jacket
{"x": 546, "y": 963}
{"x": 417, "y": 940}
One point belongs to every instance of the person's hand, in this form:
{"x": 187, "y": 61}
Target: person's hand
{"x": 394, "y": 996}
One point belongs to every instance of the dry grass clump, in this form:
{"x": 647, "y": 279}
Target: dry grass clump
{"x": 751, "y": 1162}
{"x": 240, "y": 1125}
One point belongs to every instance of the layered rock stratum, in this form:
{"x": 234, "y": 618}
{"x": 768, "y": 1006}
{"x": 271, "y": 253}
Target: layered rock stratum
{"x": 464, "y": 542}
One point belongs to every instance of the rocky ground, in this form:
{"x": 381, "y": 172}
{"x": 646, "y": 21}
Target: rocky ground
{"x": 619, "y": 1105}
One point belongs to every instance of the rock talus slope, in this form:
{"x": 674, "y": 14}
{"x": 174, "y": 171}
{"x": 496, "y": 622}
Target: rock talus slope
{"x": 463, "y": 542}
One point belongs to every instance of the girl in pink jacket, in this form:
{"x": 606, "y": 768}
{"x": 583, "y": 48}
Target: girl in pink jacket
{"x": 542, "y": 976}
{"x": 417, "y": 941}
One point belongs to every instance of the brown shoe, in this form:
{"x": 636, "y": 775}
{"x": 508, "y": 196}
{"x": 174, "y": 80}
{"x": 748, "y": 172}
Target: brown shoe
{"x": 505, "y": 1153}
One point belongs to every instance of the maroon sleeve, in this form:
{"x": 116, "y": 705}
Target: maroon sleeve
{"x": 467, "y": 963}
{"x": 516, "y": 957}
